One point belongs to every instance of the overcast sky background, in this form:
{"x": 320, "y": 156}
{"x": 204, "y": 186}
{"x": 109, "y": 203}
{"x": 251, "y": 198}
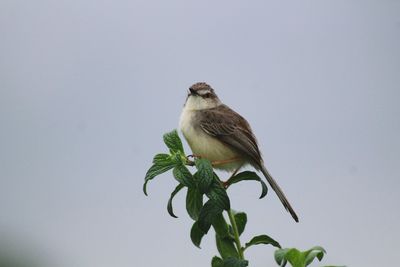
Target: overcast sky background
{"x": 87, "y": 88}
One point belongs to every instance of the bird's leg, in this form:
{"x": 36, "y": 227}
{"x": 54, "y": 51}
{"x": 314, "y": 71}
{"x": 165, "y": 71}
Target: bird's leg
{"x": 226, "y": 183}
{"x": 225, "y": 161}
{"x": 236, "y": 171}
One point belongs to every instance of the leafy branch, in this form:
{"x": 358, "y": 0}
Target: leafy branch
{"x": 205, "y": 184}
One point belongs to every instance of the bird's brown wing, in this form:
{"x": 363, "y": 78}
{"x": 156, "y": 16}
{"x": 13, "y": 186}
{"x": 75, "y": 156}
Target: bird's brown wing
{"x": 232, "y": 129}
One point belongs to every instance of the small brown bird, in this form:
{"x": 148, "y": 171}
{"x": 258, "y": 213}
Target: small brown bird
{"x": 219, "y": 134}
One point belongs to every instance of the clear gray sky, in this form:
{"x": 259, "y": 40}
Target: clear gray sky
{"x": 87, "y": 88}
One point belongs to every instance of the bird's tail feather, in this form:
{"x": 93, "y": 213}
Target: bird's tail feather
{"x": 279, "y": 192}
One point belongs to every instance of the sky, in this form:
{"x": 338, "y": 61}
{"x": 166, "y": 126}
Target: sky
{"x": 88, "y": 88}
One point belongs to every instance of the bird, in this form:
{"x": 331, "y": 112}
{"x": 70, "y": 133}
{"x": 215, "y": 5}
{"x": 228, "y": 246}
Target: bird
{"x": 216, "y": 132}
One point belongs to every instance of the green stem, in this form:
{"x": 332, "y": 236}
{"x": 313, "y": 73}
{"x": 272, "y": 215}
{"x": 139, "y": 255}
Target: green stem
{"x": 236, "y": 234}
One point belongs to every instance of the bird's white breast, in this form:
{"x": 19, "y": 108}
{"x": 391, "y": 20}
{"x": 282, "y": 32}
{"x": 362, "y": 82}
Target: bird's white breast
{"x": 202, "y": 144}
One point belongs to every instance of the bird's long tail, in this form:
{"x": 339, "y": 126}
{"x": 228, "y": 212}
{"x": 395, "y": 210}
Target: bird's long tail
{"x": 279, "y": 193}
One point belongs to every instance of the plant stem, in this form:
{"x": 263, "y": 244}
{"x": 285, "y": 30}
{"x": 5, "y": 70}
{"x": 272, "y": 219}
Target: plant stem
{"x": 236, "y": 234}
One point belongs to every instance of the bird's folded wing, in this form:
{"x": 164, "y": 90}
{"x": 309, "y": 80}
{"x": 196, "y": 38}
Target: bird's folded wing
{"x": 232, "y": 129}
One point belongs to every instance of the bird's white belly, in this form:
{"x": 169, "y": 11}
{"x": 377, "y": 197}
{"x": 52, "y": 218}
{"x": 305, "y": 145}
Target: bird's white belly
{"x": 204, "y": 145}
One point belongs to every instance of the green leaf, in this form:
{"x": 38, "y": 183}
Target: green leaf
{"x": 264, "y": 189}
{"x": 207, "y": 215}
{"x": 183, "y": 176}
{"x": 216, "y": 262}
{"x": 295, "y": 258}
{"x": 241, "y": 220}
{"x": 169, "y": 206}
{"x": 218, "y": 194}
{"x": 262, "y": 239}
{"x": 179, "y": 158}
{"x": 153, "y": 172}
{"x": 163, "y": 160}
{"x": 233, "y": 262}
{"x": 224, "y": 241}
{"x": 316, "y": 251}
{"x": 243, "y": 176}
{"x": 194, "y": 202}
{"x": 196, "y": 234}
{"x": 280, "y": 256}
{"x": 220, "y": 226}
{"x": 248, "y": 176}
{"x": 226, "y": 247}
{"x": 161, "y": 164}
{"x": 173, "y": 141}
{"x": 204, "y": 174}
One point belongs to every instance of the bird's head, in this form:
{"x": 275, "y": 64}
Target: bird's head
{"x": 201, "y": 96}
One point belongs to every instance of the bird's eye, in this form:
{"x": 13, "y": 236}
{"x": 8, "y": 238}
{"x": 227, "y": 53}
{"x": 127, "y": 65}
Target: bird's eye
{"x": 208, "y": 95}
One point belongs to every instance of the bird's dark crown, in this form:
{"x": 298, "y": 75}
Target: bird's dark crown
{"x": 202, "y": 89}
{"x": 201, "y": 86}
